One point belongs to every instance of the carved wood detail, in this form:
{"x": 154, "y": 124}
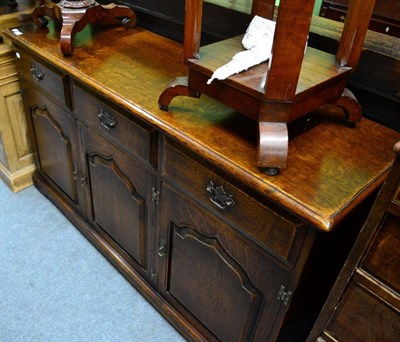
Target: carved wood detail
{"x": 56, "y": 152}
{"x": 109, "y": 183}
{"x": 220, "y": 278}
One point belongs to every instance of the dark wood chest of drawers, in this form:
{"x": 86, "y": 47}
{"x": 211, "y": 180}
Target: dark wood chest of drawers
{"x": 175, "y": 200}
{"x": 364, "y": 304}
{"x": 385, "y": 18}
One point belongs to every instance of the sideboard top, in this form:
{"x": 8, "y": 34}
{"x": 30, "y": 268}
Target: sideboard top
{"x": 330, "y": 167}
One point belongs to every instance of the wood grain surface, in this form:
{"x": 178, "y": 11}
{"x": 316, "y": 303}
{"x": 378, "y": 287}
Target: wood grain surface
{"x": 331, "y": 168}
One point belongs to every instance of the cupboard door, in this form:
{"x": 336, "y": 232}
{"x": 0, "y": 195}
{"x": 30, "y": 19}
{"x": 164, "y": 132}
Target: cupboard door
{"x": 222, "y": 285}
{"x": 56, "y": 143}
{"x": 118, "y": 190}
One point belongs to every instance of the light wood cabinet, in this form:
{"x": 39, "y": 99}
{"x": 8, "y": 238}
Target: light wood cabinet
{"x": 16, "y": 157}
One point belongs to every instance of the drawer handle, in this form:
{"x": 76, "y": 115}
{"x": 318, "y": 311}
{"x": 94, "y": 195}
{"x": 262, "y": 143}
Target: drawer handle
{"x": 219, "y": 197}
{"x": 37, "y": 73}
{"x": 162, "y": 249}
{"x": 107, "y": 120}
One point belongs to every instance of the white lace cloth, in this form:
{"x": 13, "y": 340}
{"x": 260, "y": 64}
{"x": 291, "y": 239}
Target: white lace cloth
{"x": 257, "y": 41}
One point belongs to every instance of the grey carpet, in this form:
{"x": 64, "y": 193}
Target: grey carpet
{"x": 55, "y": 286}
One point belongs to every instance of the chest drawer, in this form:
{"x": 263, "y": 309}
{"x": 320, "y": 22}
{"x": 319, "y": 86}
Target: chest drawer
{"x": 53, "y": 83}
{"x": 135, "y": 138}
{"x": 270, "y": 230}
{"x": 366, "y": 312}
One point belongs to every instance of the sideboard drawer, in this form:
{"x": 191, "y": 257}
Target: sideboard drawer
{"x": 137, "y": 139}
{"x": 268, "y": 229}
{"x": 55, "y": 84}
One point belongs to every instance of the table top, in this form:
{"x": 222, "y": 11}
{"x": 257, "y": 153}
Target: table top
{"x": 331, "y": 168}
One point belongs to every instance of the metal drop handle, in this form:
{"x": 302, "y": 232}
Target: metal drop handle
{"x": 37, "y": 73}
{"x": 219, "y": 197}
{"x": 162, "y": 248}
{"x": 107, "y": 120}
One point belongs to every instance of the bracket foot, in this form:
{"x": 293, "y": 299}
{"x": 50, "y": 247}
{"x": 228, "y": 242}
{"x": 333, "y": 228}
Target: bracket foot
{"x": 350, "y": 106}
{"x": 272, "y": 146}
{"x": 176, "y": 87}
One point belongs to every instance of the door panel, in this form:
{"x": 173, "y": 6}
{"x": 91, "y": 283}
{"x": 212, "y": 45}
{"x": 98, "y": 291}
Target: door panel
{"x": 217, "y": 287}
{"x": 118, "y": 192}
{"x": 220, "y": 282}
{"x": 124, "y": 219}
{"x": 55, "y": 151}
{"x": 56, "y": 144}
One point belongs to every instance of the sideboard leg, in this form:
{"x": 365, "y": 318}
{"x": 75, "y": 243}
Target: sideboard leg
{"x": 176, "y": 87}
{"x": 272, "y": 146}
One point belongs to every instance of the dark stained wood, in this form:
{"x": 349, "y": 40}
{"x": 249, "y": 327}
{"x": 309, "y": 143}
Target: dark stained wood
{"x": 279, "y": 102}
{"x": 354, "y": 32}
{"x": 193, "y": 20}
{"x": 264, "y": 9}
{"x": 220, "y": 274}
{"x": 72, "y": 17}
{"x": 134, "y": 137}
{"x": 363, "y": 316}
{"x": 47, "y": 79}
{"x": 376, "y": 88}
{"x": 335, "y": 182}
{"x": 148, "y": 209}
{"x": 53, "y": 130}
{"x": 383, "y": 257}
{"x": 385, "y": 17}
{"x": 367, "y": 293}
{"x": 290, "y": 40}
{"x": 283, "y": 236}
{"x": 120, "y": 195}
{"x": 53, "y": 136}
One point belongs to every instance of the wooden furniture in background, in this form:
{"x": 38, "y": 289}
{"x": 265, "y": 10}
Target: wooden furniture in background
{"x": 385, "y": 17}
{"x": 375, "y": 82}
{"x": 9, "y": 16}
{"x": 364, "y": 304}
{"x": 176, "y": 202}
{"x": 73, "y": 15}
{"x": 16, "y": 156}
{"x": 296, "y": 82}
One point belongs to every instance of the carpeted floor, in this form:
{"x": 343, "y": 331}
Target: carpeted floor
{"x": 55, "y": 286}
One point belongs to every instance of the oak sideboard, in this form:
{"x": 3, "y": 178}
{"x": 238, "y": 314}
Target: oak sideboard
{"x": 175, "y": 200}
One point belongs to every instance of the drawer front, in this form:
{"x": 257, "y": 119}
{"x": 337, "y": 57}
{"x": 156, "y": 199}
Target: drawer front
{"x": 366, "y": 312}
{"x": 383, "y": 258}
{"x": 268, "y": 229}
{"x": 137, "y": 139}
{"x": 55, "y": 84}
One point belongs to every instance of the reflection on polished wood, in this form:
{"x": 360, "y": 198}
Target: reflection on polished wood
{"x": 290, "y": 86}
{"x": 129, "y": 68}
{"x": 72, "y": 17}
{"x": 138, "y": 186}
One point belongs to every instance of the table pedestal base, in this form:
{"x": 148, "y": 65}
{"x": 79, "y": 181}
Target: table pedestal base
{"x": 73, "y": 16}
